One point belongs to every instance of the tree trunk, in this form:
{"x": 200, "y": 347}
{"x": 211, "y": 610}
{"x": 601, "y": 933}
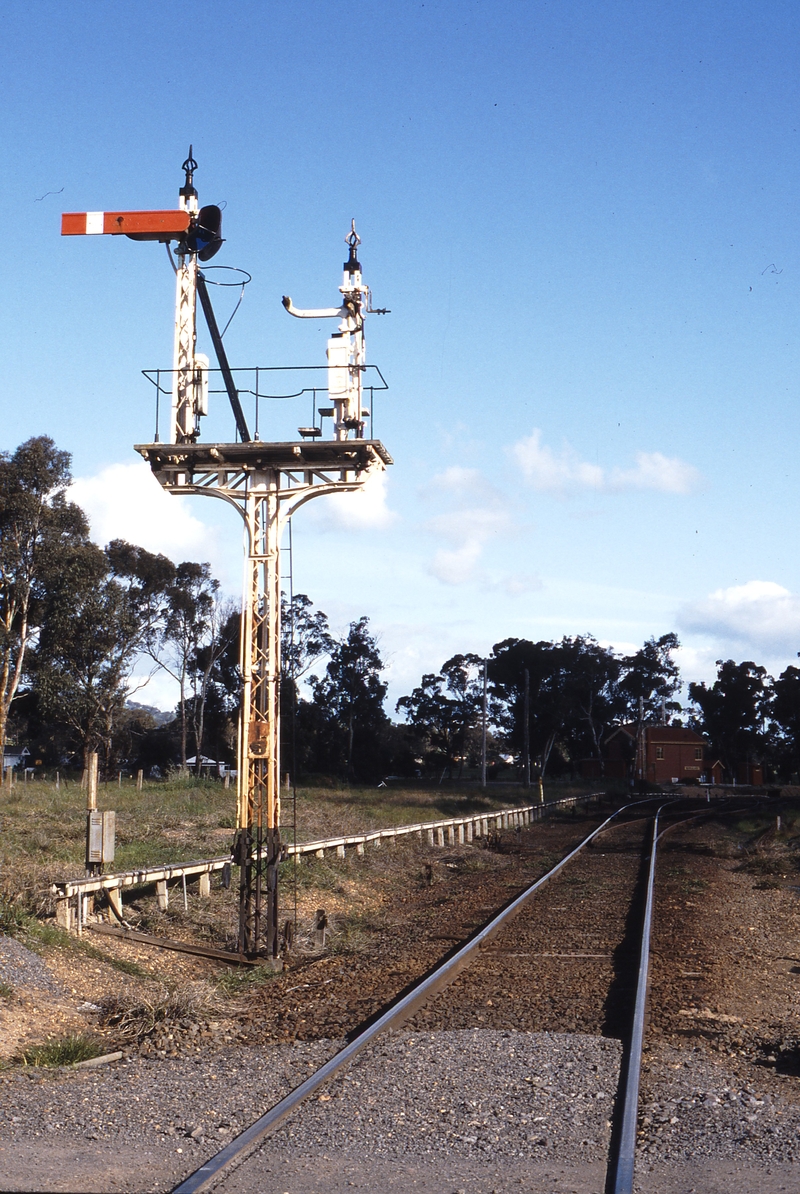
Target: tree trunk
{"x": 350, "y": 729}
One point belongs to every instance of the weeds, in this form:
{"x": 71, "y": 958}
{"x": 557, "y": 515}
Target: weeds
{"x": 66, "y": 1050}
{"x": 13, "y": 917}
{"x": 240, "y": 980}
{"x": 6, "y": 992}
{"x": 767, "y": 864}
{"x": 324, "y": 874}
{"x": 352, "y": 934}
{"x": 137, "y": 1018}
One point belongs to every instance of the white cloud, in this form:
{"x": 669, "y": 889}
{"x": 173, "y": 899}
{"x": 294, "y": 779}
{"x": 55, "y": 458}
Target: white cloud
{"x": 697, "y": 663}
{"x": 366, "y": 509}
{"x": 666, "y": 474}
{"x": 520, "y": 585}
{"x": 150, "y": 687}
{"x": 465, "y": 527}
{"x": 554, "y": 473}
{"x": 460, "y": 481}
{"x": 456, "y": 567}
{"x": 757, "y": 616}
{"x": 125, "y": 501}
{"x": 564, "y": 472}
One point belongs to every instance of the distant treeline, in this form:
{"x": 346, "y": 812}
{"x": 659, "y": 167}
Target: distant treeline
{"x": 76, "y": 621}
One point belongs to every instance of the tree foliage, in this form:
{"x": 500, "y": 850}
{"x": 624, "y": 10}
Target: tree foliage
{"x": 732, "y": 712}
{"x": 650, "y": 680}
{"x": 444, "y": 713}
{"x": 348, "y": 716}
{"x": 39, "y": 530}
{"x": 98, "y": 614}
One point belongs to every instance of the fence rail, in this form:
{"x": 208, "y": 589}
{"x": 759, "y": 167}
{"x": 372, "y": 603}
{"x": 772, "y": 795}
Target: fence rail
{"x": 449, "y": 831}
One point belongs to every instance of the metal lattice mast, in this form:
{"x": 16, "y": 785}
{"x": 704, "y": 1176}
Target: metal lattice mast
{"x": 183, "y": 413}
{"x": 258, "y": 818}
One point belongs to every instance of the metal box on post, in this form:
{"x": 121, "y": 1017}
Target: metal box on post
{"x": 102, "y": 836}
{"x": 109, "y": 836}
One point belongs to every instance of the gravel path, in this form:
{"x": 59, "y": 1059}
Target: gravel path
{"x": 20, "y": 967}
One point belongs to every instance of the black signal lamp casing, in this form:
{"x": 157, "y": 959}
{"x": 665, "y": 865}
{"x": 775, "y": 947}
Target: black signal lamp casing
{"x": 204, "y": 236}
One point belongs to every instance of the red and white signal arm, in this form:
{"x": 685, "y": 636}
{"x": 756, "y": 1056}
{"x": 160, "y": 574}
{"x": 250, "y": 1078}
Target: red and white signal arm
{"x": 143, "y": 225}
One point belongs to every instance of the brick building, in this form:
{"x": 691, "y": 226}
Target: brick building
{"x": 671, "y": 754}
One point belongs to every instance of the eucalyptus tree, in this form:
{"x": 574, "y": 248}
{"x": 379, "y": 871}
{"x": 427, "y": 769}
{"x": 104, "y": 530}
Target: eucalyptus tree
{"x": 592, "y": 701}
{"x": 99, "y": 612}
{"x": 222, "y": 633}
{"x": 650, "y": 680}
{"x": 558, "y": 697}
{"x": 193, "y": 617}
{"x": 39, "y": 528}
{"x": 348, "y": 704}
{"x": 733, "y": 711}
{"x": 444, "y": 711}
{"x": 785, "y": 715}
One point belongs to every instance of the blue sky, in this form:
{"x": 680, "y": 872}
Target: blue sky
{"x": 583, "y": 219}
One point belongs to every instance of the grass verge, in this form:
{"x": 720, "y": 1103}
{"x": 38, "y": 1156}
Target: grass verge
{"x": 65, "y": 1050}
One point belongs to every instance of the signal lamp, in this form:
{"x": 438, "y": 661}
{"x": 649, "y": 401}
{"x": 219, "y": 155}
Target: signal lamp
{"x": 203, "y": 237}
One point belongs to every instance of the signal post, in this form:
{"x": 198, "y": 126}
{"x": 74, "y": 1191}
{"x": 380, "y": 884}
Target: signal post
{"x": 266, "y": 482}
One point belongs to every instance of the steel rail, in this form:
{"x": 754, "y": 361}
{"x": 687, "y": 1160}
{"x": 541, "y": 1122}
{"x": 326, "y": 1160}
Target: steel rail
{"x": 439, "y": 978}
{"x": 624, "y": 1160}
{"x": 621, "y": 1169}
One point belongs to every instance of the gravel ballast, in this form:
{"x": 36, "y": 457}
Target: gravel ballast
{"x": 426, "y": 1097}
{"x": 20, "y": 968}
{"x": 467, "y": 1092}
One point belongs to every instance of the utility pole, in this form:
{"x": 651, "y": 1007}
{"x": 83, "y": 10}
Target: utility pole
{"x": 526, "y": 730}
{"x": 266, "y": 481}
{"x": 483, "y": 726}
{"x": 641, "y": 752}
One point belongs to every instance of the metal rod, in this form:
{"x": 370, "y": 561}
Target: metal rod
{"x": 222, "y": 357}
{"x": 183, "y": 947}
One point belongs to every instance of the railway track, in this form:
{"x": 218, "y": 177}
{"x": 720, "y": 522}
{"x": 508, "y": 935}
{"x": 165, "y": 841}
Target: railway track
{"x": 568, "y": 954}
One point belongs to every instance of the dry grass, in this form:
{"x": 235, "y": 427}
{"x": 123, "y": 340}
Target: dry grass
{"x": 42, "y": 828}
{"x": 132, "y": 1018}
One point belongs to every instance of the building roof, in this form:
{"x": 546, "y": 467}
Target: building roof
{"x": 673, "y": 734}
{"x": 661, "y": 734}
